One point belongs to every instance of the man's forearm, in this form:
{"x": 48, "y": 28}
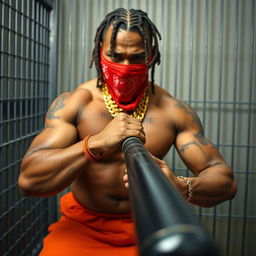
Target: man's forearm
{"x": 46, "y": 172}
{"x": 211, "y": 187}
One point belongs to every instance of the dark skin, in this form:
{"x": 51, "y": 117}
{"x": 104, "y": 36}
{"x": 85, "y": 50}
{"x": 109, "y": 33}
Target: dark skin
{"x": 56, "y": 160}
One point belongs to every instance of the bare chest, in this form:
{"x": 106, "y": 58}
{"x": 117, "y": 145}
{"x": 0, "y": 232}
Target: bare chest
{"x": 159, "y": 129}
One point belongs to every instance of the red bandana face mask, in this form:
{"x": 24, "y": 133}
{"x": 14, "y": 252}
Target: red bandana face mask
{"x": 126, "y": 83}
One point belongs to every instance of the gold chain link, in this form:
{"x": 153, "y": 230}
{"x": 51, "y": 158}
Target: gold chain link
{"x": 114, "y": 110}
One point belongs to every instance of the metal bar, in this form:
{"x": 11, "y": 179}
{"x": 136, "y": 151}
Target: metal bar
{"x": 234, "y": 117}
{"x": 1, "y": 73}
{"x": 7, "y": 84}
{"x": 129, "y": 5}
{"x": 84, "y": 37}
{"x": 205, "y": 71}
{"x": 44, "y": 53}
{"x": 36, "y": 55}
{"x": 3, "y": 114}
{"x": 54, "y": 21}
{"x": 206, "y": 41}
{"x": 164, "y": 223}
{"x": 162, "y": 43}
{"x": 248, "y": 156}
{"x": 177, "y": 46}
{"x": 12, "y": 152}
{"x": 88, "y": 53}
{"x": 70, "y": 56}
{"x": 33, "y": 60}
{"x": 220, "y": 72}
{"x": 15, "y": 84}
{"x": 52, "y": 204}
{"x": 191, "y": 50}
{"x": 22, "y": 89}
{"x": 220, "y": 84}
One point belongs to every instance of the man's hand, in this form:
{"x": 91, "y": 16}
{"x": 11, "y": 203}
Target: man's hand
{"x": 165, "y": 169}
{"x": 111, "y": 137}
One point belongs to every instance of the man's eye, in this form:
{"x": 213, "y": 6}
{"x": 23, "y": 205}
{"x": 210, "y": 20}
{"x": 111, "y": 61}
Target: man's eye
{"x": 115, "y": 58}
{"x": 141, "y": 58}
{"x": 138, "y": 59}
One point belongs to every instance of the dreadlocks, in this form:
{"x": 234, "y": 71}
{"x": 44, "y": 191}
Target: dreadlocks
{"x": 130, "y": 20}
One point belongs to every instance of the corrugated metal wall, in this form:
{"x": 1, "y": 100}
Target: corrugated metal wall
{"x": 24, "y": 98}
{"x": 208, "y": 60}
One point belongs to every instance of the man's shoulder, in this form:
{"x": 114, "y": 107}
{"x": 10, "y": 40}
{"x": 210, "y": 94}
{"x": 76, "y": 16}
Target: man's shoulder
{"x": 82, "y": 93}
{"x": 89, "y": 88}
{"x": 179, "y": 111}
{"x": 89, "y": 85}
{"x": 163, "y": 98}
{"x": 68, "y": 105}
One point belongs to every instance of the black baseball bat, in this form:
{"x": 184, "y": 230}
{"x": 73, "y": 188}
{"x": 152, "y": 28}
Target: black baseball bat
{"x": 165, "y": 224}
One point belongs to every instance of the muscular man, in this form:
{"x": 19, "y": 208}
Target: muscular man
{"x": 81, "y": 143}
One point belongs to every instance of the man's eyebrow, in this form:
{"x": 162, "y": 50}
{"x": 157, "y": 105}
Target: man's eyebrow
{"x": 133, "y": 54}
{"x": 138, "y": 54}
{"x": 114, "y": 53}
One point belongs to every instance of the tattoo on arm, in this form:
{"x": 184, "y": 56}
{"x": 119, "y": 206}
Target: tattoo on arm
{"x": 187, "y": 109}
{"x": 59, "y": 104}
{"x": 186, "y": 146}
{"x": 202, "y": 140}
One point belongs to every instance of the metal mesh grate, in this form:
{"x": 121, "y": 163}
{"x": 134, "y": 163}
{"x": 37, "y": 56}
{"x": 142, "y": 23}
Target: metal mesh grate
{"x": 24, "y": 51}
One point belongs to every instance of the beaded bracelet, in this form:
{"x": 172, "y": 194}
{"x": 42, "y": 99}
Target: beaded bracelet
{"x": 190, "y": 190}
{"x": 90, "y": 156}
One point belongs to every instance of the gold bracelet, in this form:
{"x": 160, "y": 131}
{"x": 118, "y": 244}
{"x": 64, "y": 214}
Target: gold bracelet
{"x": 190, "y": 190}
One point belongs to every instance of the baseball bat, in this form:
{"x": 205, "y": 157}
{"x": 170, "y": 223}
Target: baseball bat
{"x": 165, "y": 224}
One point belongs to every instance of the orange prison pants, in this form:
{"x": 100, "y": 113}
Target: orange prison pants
{"x": 82, "y": 232}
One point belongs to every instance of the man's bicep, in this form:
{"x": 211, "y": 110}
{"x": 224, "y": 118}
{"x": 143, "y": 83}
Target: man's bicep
{"x": 58, "y": 132}
{"x": 60, "y": 136}
{"x": 66, "y": 107}
{"x": 197, "y": 152}
{"x": 57, "y": 110}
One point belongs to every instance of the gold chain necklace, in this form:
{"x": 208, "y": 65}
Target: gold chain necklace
{"x": 114, "y": 109}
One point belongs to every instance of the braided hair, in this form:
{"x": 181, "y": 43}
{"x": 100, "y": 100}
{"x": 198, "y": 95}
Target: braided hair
{"x": 130, "y": 20}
